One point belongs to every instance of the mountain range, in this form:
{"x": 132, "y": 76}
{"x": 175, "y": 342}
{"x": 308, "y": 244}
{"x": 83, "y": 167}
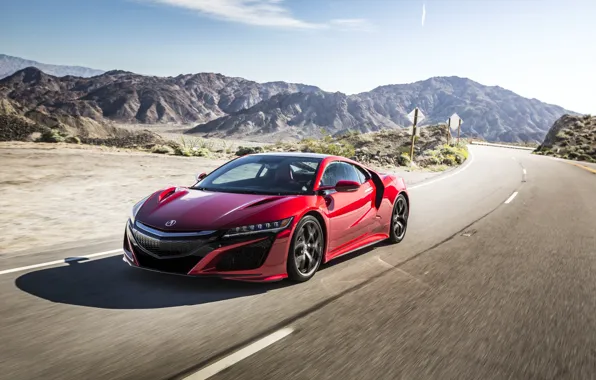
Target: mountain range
{"x": 224, "y": 106}
{"x": 10, "y": 65}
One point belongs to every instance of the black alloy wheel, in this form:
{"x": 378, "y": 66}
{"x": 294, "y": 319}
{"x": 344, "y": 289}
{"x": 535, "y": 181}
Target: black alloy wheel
{"x": 399, "y": 219}
{"x": 306, "y": 250}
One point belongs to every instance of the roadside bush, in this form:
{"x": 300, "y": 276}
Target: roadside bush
{"x": 450, "y": 155}
{"x": 51, "y": 136}
{"x": 191, "y": 147}
{"x": 162, "y": 149}
{"x": 73, "y": 140}
{"x": 449, "y": 160}
{"x": 403, "y": 159}
{"x": 573, "y": 155}
{"x": 329, "y": 145}
{"x": 201, "y": 152}
{"x": 244, "y": 150}
{"x": 325, "y": 147}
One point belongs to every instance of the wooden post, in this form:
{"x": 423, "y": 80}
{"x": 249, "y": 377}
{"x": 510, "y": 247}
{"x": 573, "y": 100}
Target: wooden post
{"x": 413, "y": 135}
{"x": 448, "y": 131}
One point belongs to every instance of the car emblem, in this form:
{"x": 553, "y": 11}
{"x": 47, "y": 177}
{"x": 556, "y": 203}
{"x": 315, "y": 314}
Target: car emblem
{"x": 170, "y": 223}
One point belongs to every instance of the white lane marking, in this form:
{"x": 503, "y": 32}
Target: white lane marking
{"x": 470, "y": 160}
{"x": 237, "y": 356}
{"x": 511, "y": 198}
{"x": 57, "y": 262}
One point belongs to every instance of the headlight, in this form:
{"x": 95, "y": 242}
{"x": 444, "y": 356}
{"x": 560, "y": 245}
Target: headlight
{"x": 136, "y": 208}
{"x": 259, "y": 228}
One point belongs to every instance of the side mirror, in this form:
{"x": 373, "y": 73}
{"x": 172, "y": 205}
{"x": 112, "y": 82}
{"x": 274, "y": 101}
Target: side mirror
{"x": 201, "y": 176}
{"x": 346, "y": 186}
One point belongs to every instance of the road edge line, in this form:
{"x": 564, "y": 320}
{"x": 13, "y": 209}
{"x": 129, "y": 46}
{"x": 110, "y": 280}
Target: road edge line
{"x": 58, "y": 262}
{"x": 593, "y": 171}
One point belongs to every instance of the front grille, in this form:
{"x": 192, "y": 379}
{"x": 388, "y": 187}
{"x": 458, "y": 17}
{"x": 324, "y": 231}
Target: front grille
{"x": 166, "y": 247}
{"x": 246, "y": 257}
{"x": 181, "y": 265}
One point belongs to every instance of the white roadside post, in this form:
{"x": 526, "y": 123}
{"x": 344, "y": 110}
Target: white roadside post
{"x": 415, "y": 116}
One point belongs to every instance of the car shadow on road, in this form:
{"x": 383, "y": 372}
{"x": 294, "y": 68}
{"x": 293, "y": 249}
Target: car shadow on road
{"x": 111, "y": 284}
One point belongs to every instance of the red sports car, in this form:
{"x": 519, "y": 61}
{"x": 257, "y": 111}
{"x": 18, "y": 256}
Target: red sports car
{"x": 266, "y": 217}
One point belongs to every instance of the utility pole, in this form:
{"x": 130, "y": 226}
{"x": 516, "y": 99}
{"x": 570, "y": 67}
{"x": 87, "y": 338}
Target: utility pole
{"x": 413, "y": 135}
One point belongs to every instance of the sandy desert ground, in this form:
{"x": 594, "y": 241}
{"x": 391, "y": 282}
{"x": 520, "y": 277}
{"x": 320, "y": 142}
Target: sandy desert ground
{"x": 54, "y": 194}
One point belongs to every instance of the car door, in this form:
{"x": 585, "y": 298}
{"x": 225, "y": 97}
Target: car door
{"x": 348, "y": 212}
{"x": 369, "y": 220}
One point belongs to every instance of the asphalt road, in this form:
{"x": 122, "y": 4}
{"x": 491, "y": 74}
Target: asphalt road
{"x": 495, "y": 279}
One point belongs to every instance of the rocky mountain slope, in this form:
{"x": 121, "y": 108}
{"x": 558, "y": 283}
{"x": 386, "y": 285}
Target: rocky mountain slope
{"x": 127, "y": 97}
{"x": 493, "y": 113}
{"x": 10, "y": 65}
{"x": 571, "y": 137}
{"x": 234, "y": 107}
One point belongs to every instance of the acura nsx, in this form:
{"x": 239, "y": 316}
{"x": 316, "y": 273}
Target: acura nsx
{"x": 267, "y": 217}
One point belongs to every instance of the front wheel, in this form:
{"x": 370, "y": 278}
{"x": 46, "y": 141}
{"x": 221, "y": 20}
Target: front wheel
{"x": 306, "y": 250}
{"x": 399, "y": 219}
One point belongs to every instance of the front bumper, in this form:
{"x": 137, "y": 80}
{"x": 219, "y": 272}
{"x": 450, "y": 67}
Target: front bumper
{"x": 248, "y": 258}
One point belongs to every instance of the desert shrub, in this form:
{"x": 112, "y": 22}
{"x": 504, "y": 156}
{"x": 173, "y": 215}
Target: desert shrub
{"x": 446, "y": 155}
{"x": 335, "y": 148}
{"x": 201, "y": 152}
{"x": 429, "y": 161}
{"x": 51, "y": 136}
{"x": 162, "y": 149}
{"x": 449, "y": 160}
{"x": 573, "y": 155}
{"x": 585, "y": 157}
{"x": 328, "y": 145}
{"x": 404, "y": 159}
{"x": 72, "y": 140}
{"x": 244, "y": 150}
{"x": 192, "y": 147}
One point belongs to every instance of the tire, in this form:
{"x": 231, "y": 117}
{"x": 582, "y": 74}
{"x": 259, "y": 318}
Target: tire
{"x": 399, "y": 220}
{"x": 306, "y": 250}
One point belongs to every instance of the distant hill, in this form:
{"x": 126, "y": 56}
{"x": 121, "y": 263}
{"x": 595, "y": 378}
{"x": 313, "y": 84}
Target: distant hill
{"x": 571, "y": 137}
{"x": 493, "y": 113}
{"x": 132, "y": 98}
{"x": 10, "y": 65}
{"x": 235, "y": 107}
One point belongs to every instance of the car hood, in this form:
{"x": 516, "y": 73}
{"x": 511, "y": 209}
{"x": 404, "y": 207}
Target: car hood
{"x": 196, "y": 210}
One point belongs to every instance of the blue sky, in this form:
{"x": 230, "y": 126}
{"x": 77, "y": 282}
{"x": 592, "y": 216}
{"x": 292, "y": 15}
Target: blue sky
{"x": 543, "y": 49}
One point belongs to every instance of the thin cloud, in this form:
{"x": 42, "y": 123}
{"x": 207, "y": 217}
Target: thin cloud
{"x": 351, "y": 24}
{"x": 423, "y": 13}
{"x": 266, "y": 13}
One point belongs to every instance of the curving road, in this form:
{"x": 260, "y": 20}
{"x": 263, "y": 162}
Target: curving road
{"x": 495, "y": 279}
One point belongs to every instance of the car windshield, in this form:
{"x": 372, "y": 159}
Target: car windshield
{"x": 267, "y": 174}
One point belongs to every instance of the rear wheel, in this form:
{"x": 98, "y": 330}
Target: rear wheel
{"x": 306, "y": 250}
{"x": 399, "y": 219}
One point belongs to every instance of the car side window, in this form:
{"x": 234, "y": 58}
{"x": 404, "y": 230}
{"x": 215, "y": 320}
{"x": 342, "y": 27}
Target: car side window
{"x": 339, "y": 171}
{"x": 363, "y": 175}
